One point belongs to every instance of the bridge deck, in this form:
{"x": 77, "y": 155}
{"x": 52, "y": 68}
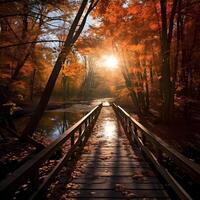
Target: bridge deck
{"x": 110, "y": 169}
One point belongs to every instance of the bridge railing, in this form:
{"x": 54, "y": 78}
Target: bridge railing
{"x": 25, "y": 183}
{"x": 159, "y": 153}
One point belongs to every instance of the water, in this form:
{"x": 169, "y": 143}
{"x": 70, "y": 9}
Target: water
{"x": 55, "y": 122}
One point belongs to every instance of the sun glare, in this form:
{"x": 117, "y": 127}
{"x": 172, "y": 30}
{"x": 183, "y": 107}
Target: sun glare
{"x": 110, "y": 62}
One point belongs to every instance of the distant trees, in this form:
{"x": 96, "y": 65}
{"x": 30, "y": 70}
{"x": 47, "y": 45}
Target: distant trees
{"x": 72, "y": 76}
{"x": 88, "y": 82}
{"x": 158, "y": 45}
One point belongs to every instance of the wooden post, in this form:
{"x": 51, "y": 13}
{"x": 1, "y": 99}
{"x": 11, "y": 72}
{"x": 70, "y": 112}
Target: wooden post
{"x": 158, "y": 154}
{"x": 89, "y": 120}
{"x": 34, "y": 179}
{"x": 143, "y": 139}
{"x": 135, "y": 130}
{"x": 72, "y": 143}
{"x": 80, "y": 131}
{"x": 129, "y": 127}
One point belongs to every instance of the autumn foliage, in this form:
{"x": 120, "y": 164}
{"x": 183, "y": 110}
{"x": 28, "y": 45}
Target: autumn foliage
{"x": 156, "y": 43}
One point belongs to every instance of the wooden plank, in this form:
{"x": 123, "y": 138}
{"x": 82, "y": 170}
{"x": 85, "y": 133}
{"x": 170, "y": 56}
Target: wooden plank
{"x": 111, "y": 173}
{"x": 116, "y": 194}
{"x": 113, "y": 165}
{"x": 118, "y": 198}
{"x": 139, "y": 179}
{"x": 109, "y": 185}
{"x": 119, "y": 171}
{"x": 113, "y": 159}
{"x": 107, "y": 162}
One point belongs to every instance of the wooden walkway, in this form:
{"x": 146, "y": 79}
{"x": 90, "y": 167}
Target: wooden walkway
{"x": 110, "y": 169}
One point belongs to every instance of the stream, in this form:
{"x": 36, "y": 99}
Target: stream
{"x": 55, "y": 122}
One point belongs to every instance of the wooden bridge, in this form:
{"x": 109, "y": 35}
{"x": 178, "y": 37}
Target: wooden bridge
{"x": 106, "y": 155}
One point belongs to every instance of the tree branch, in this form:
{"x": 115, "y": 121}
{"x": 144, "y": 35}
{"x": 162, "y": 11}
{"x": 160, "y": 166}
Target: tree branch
{"x": 32, "y": 42}
{"x": 91, "y": 7}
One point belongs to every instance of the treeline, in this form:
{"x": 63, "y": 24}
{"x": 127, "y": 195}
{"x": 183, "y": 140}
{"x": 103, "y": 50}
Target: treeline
{"x": 158, "y": 45}
{"x": 32, "y": 34}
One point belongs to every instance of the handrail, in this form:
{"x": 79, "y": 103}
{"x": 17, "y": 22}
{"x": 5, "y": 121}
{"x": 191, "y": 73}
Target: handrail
{"x": 157, "y": 150}
{"x": 30, "y": 169}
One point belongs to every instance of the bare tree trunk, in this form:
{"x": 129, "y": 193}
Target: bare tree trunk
{"x": 146, "y": 90}
{"x": 166, "y": 36}
{"x": 176, "y": 58}
{"x": 165, "y": 68}
{"x": 32, "y": 82}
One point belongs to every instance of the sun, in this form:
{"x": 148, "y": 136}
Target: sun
{"x": 110, "y": 61}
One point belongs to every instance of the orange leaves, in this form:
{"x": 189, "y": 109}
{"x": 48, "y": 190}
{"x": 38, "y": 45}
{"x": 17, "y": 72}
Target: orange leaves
{"x": 72, "y": 70}
{"x": 153, "y": 26}
{"x": 133, "y": 10}
{"x": 19, "y": 87}
{"x": 4, "y": 76}
{"x": 137, "y": 47}
{"x": 135, "y": 69}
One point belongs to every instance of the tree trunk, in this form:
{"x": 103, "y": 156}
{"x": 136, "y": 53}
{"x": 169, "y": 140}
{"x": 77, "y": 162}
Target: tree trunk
{"x": 32, "y": 82}
{"x": 166, "y": 35}
{"x": 176, "y": 58}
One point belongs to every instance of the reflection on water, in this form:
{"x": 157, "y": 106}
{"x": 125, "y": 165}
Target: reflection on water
{"x": 98, "y": 101}
{"x": 53, "y": 123}
{"x": 106, "y": 103}
{"x": 109, "y": 129}
{"x": 76, "y": 108}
